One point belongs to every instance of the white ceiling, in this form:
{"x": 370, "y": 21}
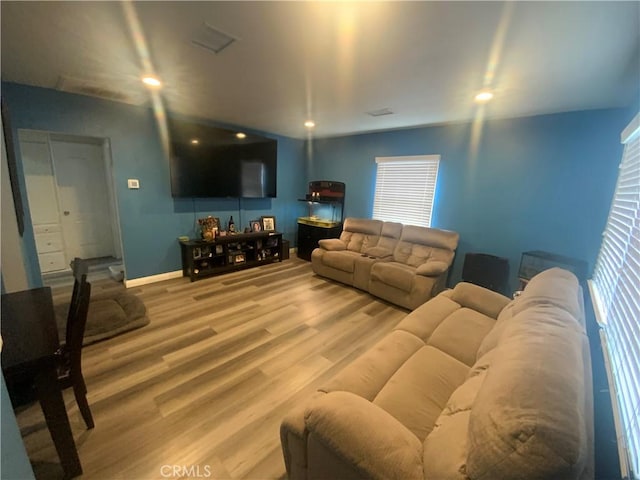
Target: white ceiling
{"x": 334, "y": 61}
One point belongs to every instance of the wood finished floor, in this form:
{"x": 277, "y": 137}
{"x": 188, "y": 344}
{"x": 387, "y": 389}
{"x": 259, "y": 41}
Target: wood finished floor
{"x": 208, "y": 382}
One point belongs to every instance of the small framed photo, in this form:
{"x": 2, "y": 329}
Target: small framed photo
{"x": 256, "y": 225}
{"x": 268, "y": 224}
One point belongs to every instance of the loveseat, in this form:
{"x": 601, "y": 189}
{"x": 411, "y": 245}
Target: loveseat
{"x": 471, "y": 385}
{"x": 403, "y": 264}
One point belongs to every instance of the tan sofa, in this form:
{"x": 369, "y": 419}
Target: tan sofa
{"x": 405, "y": 265}
{"x": 468, "y": 386}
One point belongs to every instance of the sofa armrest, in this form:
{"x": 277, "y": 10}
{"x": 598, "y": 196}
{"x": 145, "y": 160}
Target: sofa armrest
{"x": 479, "y": 298}
{"x": 432, "y": 268}
{"x": 378, "y": 252}
{"x": 332, "y": 244}
{"x": 359, "y": 436}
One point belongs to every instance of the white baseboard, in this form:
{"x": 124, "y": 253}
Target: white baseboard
{"x": 136, "y": 282}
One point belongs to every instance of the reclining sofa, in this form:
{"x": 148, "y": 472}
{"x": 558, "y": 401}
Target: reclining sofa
{"x": 405, "y": 265}
{"x": 469, "y": 386}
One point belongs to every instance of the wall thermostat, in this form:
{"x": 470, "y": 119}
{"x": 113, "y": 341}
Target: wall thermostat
{"x": 133, "y": 183}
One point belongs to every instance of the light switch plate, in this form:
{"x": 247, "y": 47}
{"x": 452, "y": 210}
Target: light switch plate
{"x": 133, "y": 183}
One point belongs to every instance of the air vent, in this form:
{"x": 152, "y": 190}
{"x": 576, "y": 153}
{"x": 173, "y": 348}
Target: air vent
{"x": 212, "y": 39}
{"x": 381, "y": 112}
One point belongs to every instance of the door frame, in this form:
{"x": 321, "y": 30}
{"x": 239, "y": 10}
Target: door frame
{"x": 104, "y": 143}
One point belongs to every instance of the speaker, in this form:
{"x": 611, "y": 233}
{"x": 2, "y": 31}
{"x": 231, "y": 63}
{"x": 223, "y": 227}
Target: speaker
{"x": 284, "y": 252}
{"x": 487, "y": 271}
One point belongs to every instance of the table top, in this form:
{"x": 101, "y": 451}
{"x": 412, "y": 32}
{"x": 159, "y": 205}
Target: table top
{"x": 28, "y": 327}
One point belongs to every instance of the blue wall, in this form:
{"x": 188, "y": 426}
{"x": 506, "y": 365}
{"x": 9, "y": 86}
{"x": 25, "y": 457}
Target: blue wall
{"x": 534, "y": 183}
{"x": 150, "y": 219}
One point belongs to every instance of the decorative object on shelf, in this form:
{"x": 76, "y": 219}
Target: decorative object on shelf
{"x": 232, "y": 225}
{"x": 209, "y": 227}
{"x": 268, "y": 223}
{"x": 255, "y": 225}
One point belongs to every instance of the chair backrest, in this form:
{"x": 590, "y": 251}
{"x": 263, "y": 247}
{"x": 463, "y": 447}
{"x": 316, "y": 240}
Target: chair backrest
{"x": 76, "y": 325}
{"x": 80, "y": 271}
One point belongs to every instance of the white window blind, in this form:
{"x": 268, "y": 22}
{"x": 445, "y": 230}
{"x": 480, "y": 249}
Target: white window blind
{"x": 615, "y": 288}
{"x": 405, "y": 189}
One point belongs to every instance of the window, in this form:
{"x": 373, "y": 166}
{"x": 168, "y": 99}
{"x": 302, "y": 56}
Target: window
{"x": 615, "y": 289}
{"x": 405, "y": 189}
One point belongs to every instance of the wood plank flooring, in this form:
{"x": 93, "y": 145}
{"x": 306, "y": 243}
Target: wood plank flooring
{"x": 206, "y": 384}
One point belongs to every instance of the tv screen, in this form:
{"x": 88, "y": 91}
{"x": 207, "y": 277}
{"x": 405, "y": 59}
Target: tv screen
{"x": 215, "y": 162}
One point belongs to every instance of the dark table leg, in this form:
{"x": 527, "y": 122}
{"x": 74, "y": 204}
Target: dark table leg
{"x": 55, "y": 413}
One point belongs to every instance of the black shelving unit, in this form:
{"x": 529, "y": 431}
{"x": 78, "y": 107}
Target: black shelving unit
{"x": 202, "y": 259}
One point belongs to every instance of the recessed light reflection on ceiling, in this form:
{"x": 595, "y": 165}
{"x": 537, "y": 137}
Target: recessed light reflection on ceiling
{"x": 195, "y": 141}
{"x": 241, "y": 135}
{"x": 151, "y": 81}
{"x": 309, "y": 124}
{"x": 483, "y": 96}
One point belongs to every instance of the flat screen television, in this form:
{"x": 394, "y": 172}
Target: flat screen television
{"x": 209, "y": 161}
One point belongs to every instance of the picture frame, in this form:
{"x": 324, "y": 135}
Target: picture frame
{"x": 256, "y": 225}
{"x": 268, "y": 223}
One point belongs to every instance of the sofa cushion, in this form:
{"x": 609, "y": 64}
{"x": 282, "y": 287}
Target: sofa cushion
{"x": 344, "y": 260}
{"x": 418, "y": 244}
{"x": 419, "y": 390}
{"x": 330, "y": 244}
{"x": 461, "y": 333}
{"x": 556, "y": 287}
{"x": 432, "y": 268}
{"x": 369, "y": 373}
{"x": 395, "y": 274}
{"x": 428, "y": 316}
{"x": 528, "y": 418}
{"x": 360, "y": 233}
{"x": 378, "y": 252}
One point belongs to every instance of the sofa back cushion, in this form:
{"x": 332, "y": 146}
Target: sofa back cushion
{"x": 554, "y": 286}
{"x": 417, "y": 245}
{"x": 533, "y": 402}
{"x": 387, "y": 242}
{"x": 359, "y": 234}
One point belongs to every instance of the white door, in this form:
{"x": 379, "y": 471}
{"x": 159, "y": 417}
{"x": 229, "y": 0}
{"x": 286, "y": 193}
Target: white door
{"x": 83, "y": 199}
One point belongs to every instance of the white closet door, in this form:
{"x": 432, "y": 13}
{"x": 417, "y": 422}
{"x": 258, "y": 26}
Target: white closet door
{"x": 83, "y": 198}
{"x": 41, "y": 186}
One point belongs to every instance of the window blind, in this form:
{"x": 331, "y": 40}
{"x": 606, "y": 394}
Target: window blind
{"x": 615, "y": 289}
{"x": 405, "y": 189}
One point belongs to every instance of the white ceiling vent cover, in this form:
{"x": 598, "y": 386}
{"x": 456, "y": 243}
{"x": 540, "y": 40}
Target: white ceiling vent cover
{"x": 212, "y": 39}
{"x": 381, "y": 112}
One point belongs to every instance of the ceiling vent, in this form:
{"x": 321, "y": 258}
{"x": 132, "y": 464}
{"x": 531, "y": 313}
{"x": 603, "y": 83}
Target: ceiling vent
{"x": 212, "y": 39}
{"x": 94, "y": 89}
{"x": 381, "y": 112}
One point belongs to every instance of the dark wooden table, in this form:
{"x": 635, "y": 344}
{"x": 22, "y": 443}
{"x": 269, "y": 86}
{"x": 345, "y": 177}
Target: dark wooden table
{"x": 30, "y": 340}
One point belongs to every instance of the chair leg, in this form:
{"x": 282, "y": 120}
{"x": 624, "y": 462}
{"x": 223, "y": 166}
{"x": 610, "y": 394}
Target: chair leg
{"x": 80, "y": 392}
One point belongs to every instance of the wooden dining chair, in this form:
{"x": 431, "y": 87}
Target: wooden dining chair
{"x": 69, "y": 355}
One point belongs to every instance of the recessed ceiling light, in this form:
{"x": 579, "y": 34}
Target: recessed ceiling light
{"x": 309, "y": 124}
{"x": 195, "y": 141}
{"x": 484, "y": 96}
{"x": 241, "y": 135}
{"x": 151, "y": 81}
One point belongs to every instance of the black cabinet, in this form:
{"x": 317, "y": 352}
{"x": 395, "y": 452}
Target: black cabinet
{"x": 314, "y": 227}
{"x": 229, "y": 253}
{"x": 309, "y": 235}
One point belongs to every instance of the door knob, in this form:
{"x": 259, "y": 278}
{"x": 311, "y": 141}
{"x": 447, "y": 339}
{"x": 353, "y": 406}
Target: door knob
{"x": 66, "y": 212}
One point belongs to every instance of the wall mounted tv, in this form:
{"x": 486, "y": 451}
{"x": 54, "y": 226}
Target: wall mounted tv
{"x": 209, "y": 161}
